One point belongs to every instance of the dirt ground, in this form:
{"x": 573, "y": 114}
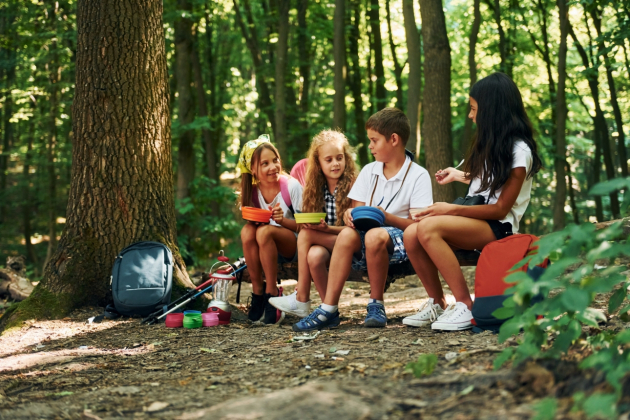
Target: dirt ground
{"x": 70, "y": 369}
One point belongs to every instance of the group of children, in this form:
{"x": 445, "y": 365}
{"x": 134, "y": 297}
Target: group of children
{"x": 499, "y": 167}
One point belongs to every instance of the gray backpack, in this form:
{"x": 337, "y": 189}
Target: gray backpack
{"x": 142, "y": 279}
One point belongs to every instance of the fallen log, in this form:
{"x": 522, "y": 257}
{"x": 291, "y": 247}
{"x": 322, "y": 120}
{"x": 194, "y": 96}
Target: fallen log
{"x": 13, "y": 281}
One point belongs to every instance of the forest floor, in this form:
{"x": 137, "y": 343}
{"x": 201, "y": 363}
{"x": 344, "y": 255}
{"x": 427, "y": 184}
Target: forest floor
{"x": 121, "y": 369}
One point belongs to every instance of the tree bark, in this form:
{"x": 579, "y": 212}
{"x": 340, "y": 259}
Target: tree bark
{"x": 355, "y": 83}
{"x": 7, "y": 138}
{"x": 304, "y": 52}
{"x": 339, "y": 54}
{"x": 437, "y": 95}
{"x": 281, "y": 68}
{"x": 26, "y": 193}
{"x": 414, "y": 83}
{"x": 377, "y": 46}
{"x": 503, "y": 48}
{"x": 560, "y": 159}
{"x": 185, "y": 101}
{"x": 121, "y": 190}
{"x": 398, "y": 68}
{"x": 472, "y": 71}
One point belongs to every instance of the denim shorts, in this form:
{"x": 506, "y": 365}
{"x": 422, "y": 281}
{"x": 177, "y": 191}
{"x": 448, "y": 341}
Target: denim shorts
{"x": 399, "y": 255}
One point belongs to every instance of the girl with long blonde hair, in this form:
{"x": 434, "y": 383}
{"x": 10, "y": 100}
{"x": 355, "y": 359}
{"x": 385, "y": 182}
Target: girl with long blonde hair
{"x": 330, "y": 173}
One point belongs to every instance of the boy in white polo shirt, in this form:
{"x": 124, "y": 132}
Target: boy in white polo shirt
{"x": 394, "y": 184}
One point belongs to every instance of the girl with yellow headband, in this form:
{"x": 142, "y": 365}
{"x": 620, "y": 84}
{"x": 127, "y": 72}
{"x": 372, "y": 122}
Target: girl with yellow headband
{"x": 264, "y": 245}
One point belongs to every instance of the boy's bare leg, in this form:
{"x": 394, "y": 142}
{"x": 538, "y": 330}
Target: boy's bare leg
{"x": 423, "y": 266}
{"x": 271, "y": 241}
{"x": 318, "y": 259}
{"x": 436, "y": 235}
{"x": 348, "y": 243}
{"x": 252, "y": 257}
{"x": 378, "y": 248}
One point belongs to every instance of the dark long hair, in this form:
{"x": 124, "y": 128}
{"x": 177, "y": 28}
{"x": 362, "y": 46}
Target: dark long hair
{"x": 501, "y": 122}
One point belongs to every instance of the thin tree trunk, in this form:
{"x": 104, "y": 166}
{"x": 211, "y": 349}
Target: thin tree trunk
{"x": 281, "y": 68}
{"x": 560, "y": 159}
{"x": 214, "y": 108}
{"x": 7, "y": 138}
{"x": 398, "y": 68}
{"x": 414, "y": 84}
{"x": 472, "y": 71}
{"x": 251, "y": 40}
{"x": 377, "y": 46}
{"x": 339, "y": 54}
{"x": 355, "y": 83}
{"x": 574, "y": 210}
{"x": 503, "y": 50}
{"x": 304, "y": 51}
{"x": 437, "y": 101}
{"x": 185, "y": 101}
{"x": 121, "y": 190}
{"x": 371, "y": 95}
{"x": 26, "y": 192}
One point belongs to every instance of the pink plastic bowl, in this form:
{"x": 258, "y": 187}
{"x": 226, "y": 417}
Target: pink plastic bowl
{"x": 210, "y": 319}
{"x": 174, "y": 320}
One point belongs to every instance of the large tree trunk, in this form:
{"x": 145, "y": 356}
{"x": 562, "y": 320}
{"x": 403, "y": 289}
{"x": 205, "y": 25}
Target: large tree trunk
{"x": 185, "y": 101}
{"x": 121, "y": 190}
{"x": 281, "y": 69}
{"x": 355, "y": 83}
{"x": 560, "y": 160}
{"x": 339, "y": 53}
{"x": 398, "y": 68}
{"x": 437, "y": 95}
{"x": 377, "y": 46}
{"x": 414, "y": 83}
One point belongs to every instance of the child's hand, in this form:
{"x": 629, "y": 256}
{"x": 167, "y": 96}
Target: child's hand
{"x": 437, "y": 209}
{"x": 321, "y": 226}
{"x": 277, "y": 214}
{"x": 446, "y": 176}
{"x": 347, "y": 218}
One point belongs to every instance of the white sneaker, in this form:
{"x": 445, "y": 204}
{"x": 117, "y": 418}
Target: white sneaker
{"x": 456, "y": 317}
{"x": 291, "y": 305}
{"x": 427, "y": 313}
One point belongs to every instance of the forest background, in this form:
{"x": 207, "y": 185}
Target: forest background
{"x": 238, "y": 69}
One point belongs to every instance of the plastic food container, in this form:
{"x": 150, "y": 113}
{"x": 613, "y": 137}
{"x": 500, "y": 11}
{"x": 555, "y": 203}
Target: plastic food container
{"x": 191, "y": 312}
{"x": 174, "y": 320}
{"x": 254, "y": 214}
{"x": 309, "y": 217}
{"x": 210, "y": 319}
{"x": 366, "y": 218}
{"x": 192, "y": 321}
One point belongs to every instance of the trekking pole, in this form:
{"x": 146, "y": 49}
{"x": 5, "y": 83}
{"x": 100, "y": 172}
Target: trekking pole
{"x": 154, "y": 320}
{"x": 186, "y": 295}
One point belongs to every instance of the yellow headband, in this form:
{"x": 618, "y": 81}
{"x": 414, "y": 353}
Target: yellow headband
{"x": 245, "y": 160}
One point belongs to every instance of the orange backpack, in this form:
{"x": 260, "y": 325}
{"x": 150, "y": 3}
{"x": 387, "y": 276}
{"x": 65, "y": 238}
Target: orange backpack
{"x": 494, "y": 265}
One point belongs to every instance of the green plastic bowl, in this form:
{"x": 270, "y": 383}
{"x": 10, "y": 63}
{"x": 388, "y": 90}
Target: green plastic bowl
{"x": 192, "y": 321}
{"x": 309, "y": 217}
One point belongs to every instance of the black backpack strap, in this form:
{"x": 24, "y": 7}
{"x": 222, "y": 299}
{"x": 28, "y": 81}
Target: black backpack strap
{"x": 110, "y": 312}
{"x": 239, "y": 279}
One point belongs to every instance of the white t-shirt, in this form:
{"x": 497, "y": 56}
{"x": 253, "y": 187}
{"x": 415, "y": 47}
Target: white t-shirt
{"x": 416, "y": 191}
{"x": 522, "y": 158}
{"x": 295, "y": 191}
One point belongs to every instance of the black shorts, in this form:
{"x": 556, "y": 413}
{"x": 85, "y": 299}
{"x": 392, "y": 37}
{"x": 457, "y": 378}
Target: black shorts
{"x": 500, "y": 230}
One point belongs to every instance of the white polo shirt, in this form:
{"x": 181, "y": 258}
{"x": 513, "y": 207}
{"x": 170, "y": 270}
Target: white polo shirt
{"x": 414, "y": 193}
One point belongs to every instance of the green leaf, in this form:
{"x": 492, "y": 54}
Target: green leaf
{"x": 545, "y": 409}
{"x": 575, "y": 299}
{"x": 609, "y": 186}
{"x": 503, "y": 313}
{"x": 616, "y": 299}
{"x": 425, "y": 365}
{"x": 503, "y": 357}
{"x": 566, "y": 338}
{"x": 603, "y": 405}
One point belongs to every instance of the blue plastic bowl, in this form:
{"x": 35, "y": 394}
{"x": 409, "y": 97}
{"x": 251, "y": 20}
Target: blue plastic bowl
{"x": 366, "y": 218}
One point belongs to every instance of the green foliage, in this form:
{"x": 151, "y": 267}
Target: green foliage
{"x": 424, "y": 366}
{"x": 578, "y": 272}
{"x": 545, "y": 409}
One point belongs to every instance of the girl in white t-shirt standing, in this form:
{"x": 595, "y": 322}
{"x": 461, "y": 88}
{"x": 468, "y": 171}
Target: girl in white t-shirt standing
{"x": 264, "y": 245}
{"x": 501, "y": 162}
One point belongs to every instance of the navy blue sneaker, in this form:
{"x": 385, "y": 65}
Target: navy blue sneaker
{"x": 376, "y": 317}
{"x": 315, "y": 322}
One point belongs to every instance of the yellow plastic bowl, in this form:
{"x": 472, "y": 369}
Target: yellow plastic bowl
{"x": 309, "y": 217}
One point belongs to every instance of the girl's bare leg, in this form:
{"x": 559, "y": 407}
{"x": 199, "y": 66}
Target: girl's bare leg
{"x": 348, "y": 243}
{"x": 271, "y": 241}
{"x": 423, "y": 266}
{"x": 306, "y": 239}
{"x": 318, "y": 259}
{"x": 436, "y": 234}
{"x": 251, "y": 253}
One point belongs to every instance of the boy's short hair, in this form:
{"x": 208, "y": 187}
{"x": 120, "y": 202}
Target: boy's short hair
{"x": 388, "y": 121}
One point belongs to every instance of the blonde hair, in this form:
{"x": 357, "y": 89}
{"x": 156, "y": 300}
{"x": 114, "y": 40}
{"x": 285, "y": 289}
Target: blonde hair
{"x": 313, "y": 195}
{"x": 248, "y": 180}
